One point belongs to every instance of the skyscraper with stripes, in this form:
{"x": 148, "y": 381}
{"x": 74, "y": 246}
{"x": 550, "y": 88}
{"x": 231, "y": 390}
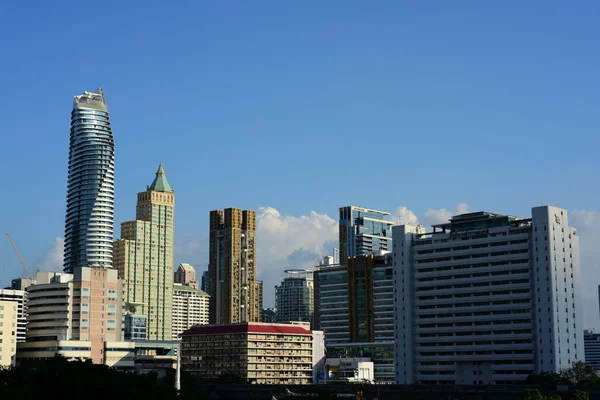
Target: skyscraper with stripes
{"x": 90, "y": 194}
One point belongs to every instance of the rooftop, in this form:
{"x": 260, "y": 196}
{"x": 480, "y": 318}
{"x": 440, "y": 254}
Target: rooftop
{"x": 478, "y": 220}
{"x": 160, "y": 183}
{"x": 93, "y": 100}
{"x": 245, "y": 327}
{"x": 369, "y": 210}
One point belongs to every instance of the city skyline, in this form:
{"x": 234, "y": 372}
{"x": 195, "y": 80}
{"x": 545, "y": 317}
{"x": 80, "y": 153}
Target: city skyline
{"x": 519, "y": 114}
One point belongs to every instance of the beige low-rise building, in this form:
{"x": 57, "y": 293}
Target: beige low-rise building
{"x": 257, "y": 352}
{"x": 66, "y": 310}
{"x": 8, "y": 332}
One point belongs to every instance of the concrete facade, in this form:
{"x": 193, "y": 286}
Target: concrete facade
{"x": 84, "y": 306}
{"x": 234, "y": 292}
{"x": 9, "y": 313}
{"x": 190, "y": 308}
{"x": 261, "y": 353}
{"x": 487, "y": 298}
{"x": 186, "y": 275}
{"x": 19, "y": 297}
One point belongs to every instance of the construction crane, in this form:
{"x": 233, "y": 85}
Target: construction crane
{"x": 19, "y": 255}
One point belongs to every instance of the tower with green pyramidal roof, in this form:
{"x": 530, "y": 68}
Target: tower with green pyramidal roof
{"x": 144, "y": 258}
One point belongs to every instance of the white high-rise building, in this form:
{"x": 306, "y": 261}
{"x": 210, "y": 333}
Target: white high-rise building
{"x": 17, "y": 296}
{"x": 8, "y": 332}
{"x": 190, "y": 308}
{"x": 487, "y": 298}
{"x": 91, "y": 185}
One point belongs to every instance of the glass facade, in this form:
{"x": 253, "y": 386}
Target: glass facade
{"x": 90, "y": 193}
{"x": 294, "y": 297}
{"x": 363, "y": 231}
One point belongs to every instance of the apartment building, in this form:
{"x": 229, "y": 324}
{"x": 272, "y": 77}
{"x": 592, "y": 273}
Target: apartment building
{"x": 235, "y": 294}
{"x": 19, "y": 297}
{"x": 8, "y": 332}
{"x": 487, "y": 298}
{"x": 81, "y": 310}
{"x": 261, "y": 353}
{"x": 190, "y": 308}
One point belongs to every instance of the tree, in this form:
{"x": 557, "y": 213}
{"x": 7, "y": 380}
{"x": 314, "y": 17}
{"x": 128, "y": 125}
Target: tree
{"x": 578, "y": 395}
{"x": 554, "y": 396}
{"x": 58, "y": 378}
{"x": 532, "y": 394}
{"x": 545, "y": 378}
{"x": 579, "y": 373}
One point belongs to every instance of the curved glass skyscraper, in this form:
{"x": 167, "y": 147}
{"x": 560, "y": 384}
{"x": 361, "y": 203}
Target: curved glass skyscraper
{"x": 90, "y": 194}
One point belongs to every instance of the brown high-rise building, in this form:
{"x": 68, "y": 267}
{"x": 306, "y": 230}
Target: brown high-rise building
{"x": 232, "y": 270}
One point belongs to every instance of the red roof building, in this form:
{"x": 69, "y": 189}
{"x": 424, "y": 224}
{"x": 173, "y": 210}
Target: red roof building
{"x": 257, "y": 352}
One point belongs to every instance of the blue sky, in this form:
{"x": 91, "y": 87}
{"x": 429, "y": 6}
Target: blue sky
{"x": 297, "y": 108}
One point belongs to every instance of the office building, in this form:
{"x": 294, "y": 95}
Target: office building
{"x": 354, "y": 305}
{"x": 80, "y": 311}
{"x": 265, "y": 353}
{"x": 136, "y": 327}
{"x": 144, "y": 257}
{"x": 232, "y": 267}
{"x": 90, "y": 193}
{"x": 591, "y": 343}
{"x": 17, "y": 296}
{"x": 294, "y": 297}
{"x": 487, "y": 298}
{"x": 363, "y": 231}
{"x": 190, "y": 308}
{"x": 8, "y": 332}
{"x": 269, "y": 315}
{"x": 205, "y": 285}
{"x": 186, "y": 275}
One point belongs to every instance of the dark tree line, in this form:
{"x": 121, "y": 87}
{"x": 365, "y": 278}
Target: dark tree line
{"x": 58, "y": 378}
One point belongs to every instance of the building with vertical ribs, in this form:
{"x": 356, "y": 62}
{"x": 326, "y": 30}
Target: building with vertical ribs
{"x": 232, "y": 269}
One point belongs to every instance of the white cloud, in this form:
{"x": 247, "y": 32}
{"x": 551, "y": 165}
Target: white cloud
{"x": 52, "y": 260}
{"x": 584, "y": 219}
{"x": 286, "y": 241}
{"x": 462, "y": 208}
{"x": 404, "y": 216}
{"x": 436, "y": 216}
